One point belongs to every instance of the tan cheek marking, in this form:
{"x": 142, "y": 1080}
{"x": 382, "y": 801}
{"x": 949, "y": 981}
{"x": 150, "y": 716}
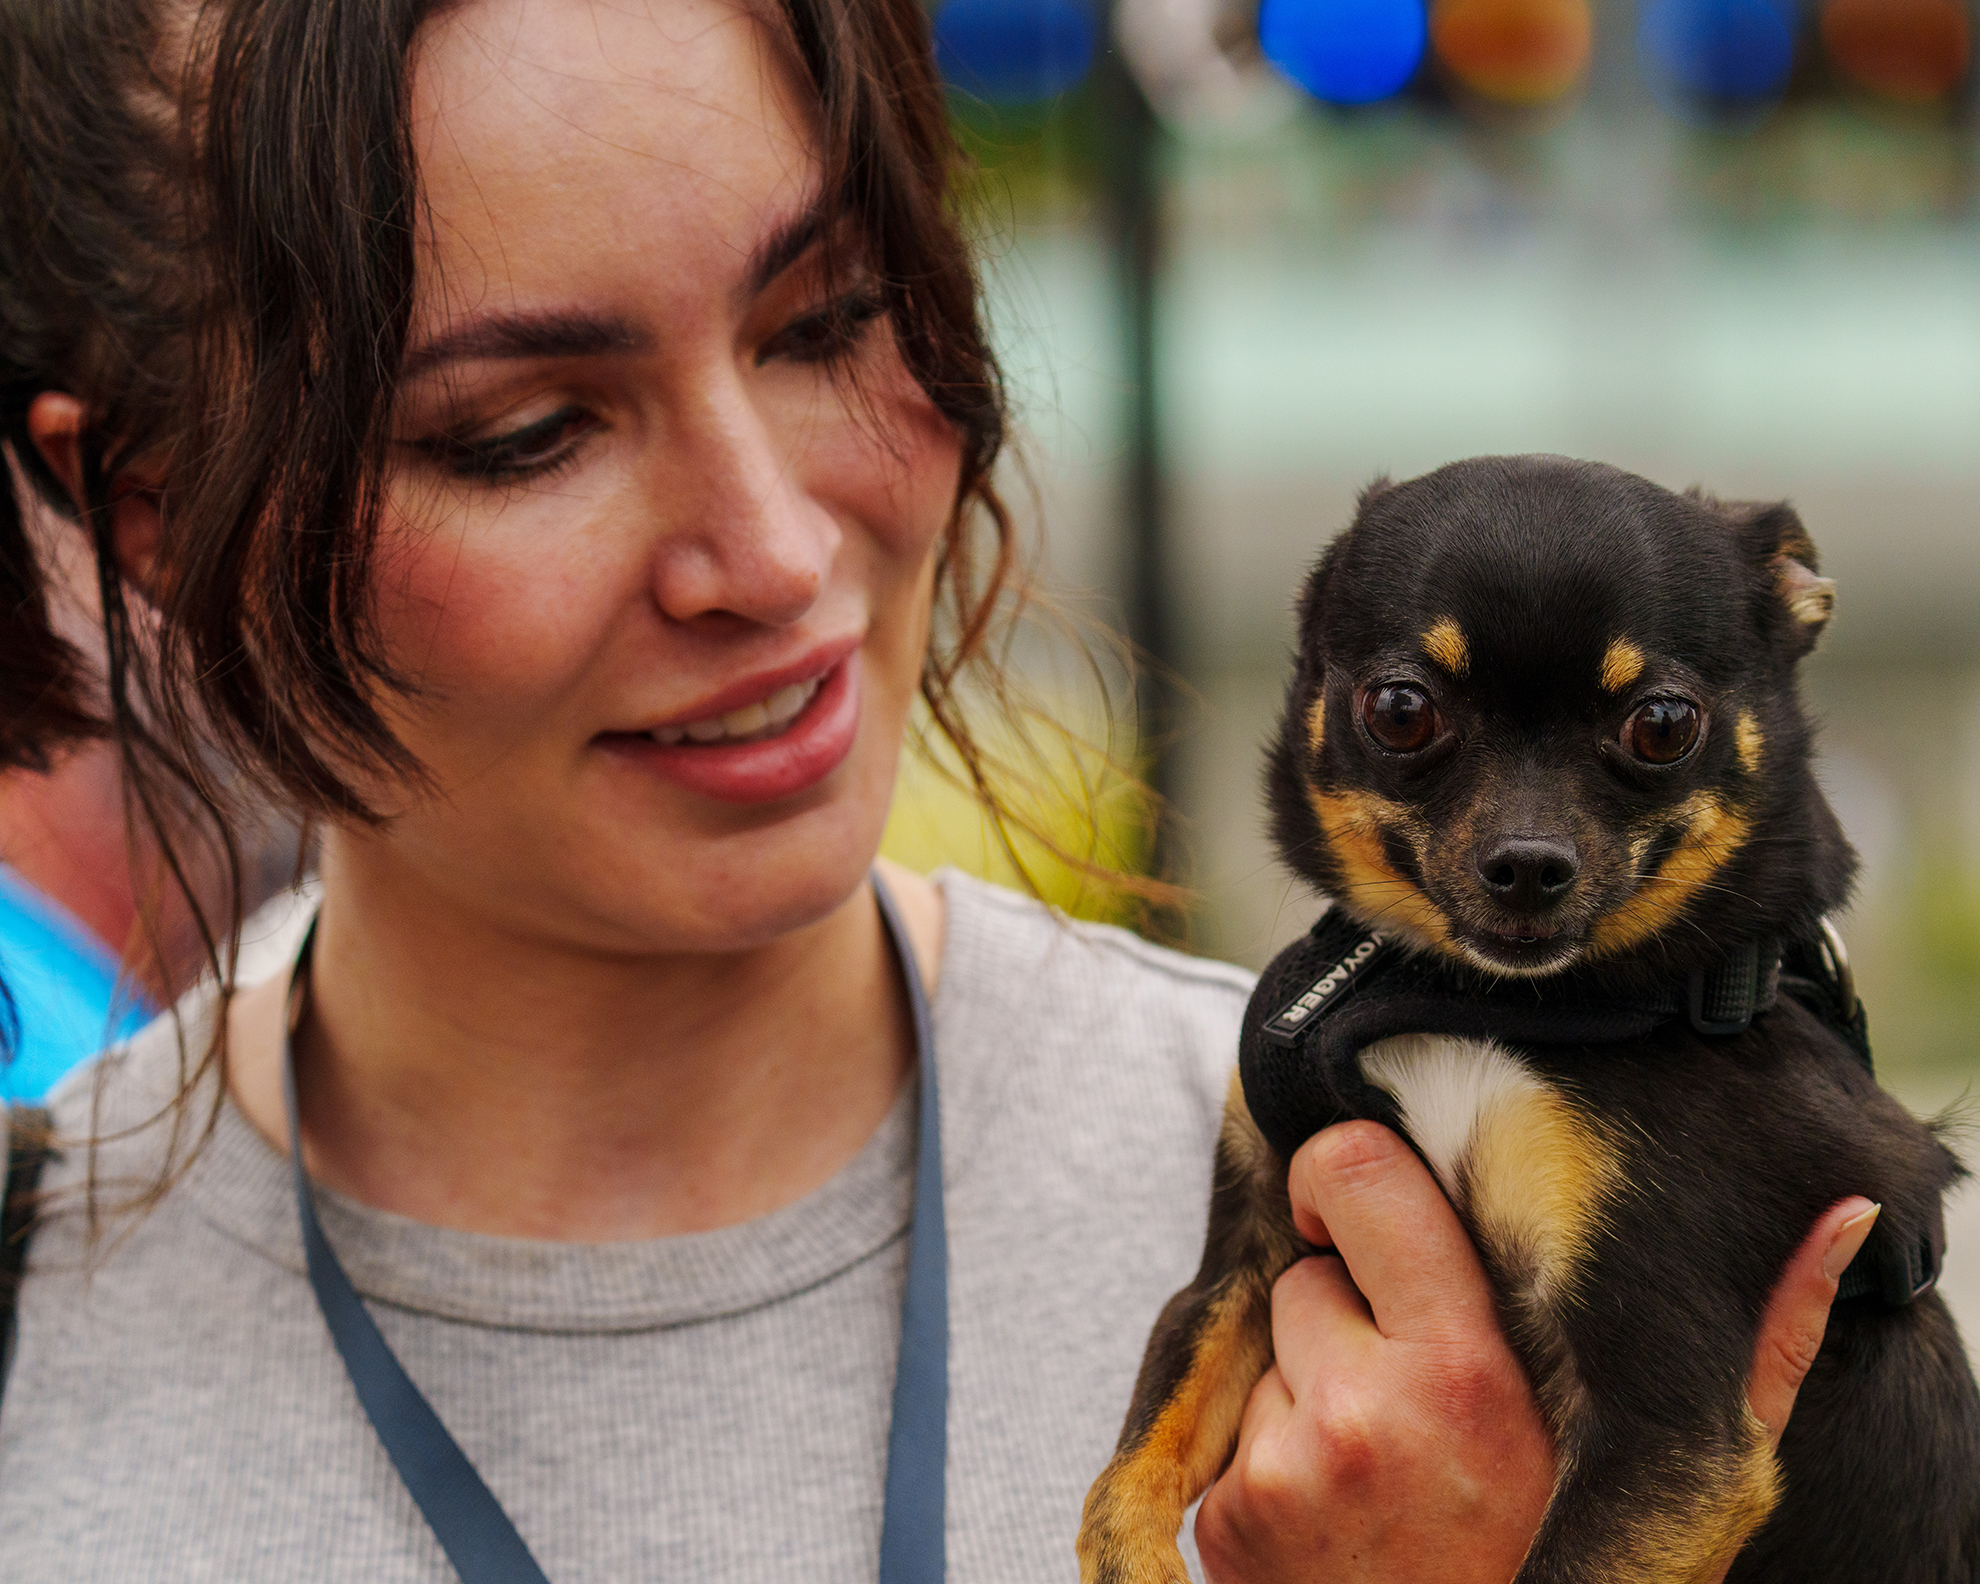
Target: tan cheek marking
{"x": 1715, "y": 832}
{"x": 1747, "y": 739}
{"x": 1622, "y": 664}
{"x": 1353, "y": 823}
{"x": 1316, "y": 724}
{"x": 1445, "y": 644}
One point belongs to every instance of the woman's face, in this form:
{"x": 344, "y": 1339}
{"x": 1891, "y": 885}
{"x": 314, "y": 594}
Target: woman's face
{"x": 660, "y": 535}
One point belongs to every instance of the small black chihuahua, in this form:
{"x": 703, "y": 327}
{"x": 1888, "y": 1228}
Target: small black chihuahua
{"x": 1543, "y": 748}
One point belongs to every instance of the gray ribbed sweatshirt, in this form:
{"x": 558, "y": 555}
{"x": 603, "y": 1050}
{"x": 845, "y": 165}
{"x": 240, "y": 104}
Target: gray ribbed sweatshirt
{"x": 703, "y": 1407}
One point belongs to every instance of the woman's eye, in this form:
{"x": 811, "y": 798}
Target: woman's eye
{"x": 1662, "y": 731}
{"x": 826, "y": 333}
{"x": 534, "y": 449}
{"x": 1400, "y": 717}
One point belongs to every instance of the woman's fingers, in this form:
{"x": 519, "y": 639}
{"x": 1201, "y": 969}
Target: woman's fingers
{"x": 1396, "y": 1439}
{"x": 1360, "y": 1190}
{"x": 1797, "y": 1316}
{"x": 1320, "y": 1322}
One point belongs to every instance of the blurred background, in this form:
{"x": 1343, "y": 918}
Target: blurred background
{"x": 1246, "y": 258}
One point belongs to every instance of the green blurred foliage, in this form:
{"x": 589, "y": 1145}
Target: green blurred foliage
{"x": 1945, "y": 920}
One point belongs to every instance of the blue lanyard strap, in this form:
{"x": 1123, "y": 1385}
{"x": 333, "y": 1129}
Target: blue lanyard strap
{"x": 913, "y": 1546}
{"x": 481, "y": 1542}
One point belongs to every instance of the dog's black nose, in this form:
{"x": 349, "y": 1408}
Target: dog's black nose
{"x": 1528, "y": 872}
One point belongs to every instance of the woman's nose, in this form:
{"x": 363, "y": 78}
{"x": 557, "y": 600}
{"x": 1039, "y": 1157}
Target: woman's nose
{"x": 739, "y": 532}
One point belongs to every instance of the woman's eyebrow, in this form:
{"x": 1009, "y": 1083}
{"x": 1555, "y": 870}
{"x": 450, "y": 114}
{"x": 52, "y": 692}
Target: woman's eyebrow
{"x": 551, "y": 334}
{"x": 561, "y": 334}
{"x": 784, "y": 245}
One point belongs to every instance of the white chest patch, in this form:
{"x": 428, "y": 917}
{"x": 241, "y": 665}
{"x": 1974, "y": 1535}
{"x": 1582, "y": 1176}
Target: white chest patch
{"x": 1529, "y": 1170}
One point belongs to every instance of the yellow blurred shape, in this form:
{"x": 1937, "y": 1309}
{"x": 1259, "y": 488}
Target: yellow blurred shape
{"x": 1914, "y": 51}
{"x": 1066, "y": 789}
{"x": 1515, "y": 52}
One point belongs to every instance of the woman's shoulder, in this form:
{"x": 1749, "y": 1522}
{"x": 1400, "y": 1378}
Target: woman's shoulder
{"x": 1084, "y": 1007}
{"x": 126, "y": 1093}
{"x": 1002, "y": 946}
{"x": 117, "y": 1112}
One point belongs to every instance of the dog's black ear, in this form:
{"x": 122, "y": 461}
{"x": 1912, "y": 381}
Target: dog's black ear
{"x": 1784, "y": 559}
{"x": 1310, "y": 613}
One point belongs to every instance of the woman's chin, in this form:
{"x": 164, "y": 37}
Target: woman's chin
{"x": 741, "y": 889}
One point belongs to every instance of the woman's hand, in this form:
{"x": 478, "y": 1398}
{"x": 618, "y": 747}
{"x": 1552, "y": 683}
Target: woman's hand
{"x": 1397, "y": 1438}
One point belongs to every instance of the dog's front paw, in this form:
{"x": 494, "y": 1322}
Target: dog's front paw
{"x": 1122, "y": 1539}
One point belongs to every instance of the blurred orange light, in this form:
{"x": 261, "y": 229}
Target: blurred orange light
{"x": 1911, "y": 50}
{"x": 1518, "y": 52}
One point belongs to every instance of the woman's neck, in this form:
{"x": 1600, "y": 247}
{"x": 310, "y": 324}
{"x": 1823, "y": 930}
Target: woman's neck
{"x": 465, "y": 1077}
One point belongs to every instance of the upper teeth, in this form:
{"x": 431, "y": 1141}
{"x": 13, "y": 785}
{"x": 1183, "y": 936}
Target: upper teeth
{"x": 764, "y": 718}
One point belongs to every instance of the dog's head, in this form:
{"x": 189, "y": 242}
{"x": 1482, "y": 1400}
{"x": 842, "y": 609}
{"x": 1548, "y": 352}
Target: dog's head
{"x": 1545, "y": 714}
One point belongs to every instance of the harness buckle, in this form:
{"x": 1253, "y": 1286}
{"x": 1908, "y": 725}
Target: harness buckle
{"x": 1723, "y": 1000}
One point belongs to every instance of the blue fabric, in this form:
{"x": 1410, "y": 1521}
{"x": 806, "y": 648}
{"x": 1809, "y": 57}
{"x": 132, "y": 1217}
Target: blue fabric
{"x": 63, "y": 984}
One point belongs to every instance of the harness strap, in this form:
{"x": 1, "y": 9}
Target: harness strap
{"x": 1896, "y": 1272}
{"x": 1342, "y": 987}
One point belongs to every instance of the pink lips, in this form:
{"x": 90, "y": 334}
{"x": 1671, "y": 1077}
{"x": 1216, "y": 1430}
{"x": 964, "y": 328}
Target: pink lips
{"x": 808, "y": 750}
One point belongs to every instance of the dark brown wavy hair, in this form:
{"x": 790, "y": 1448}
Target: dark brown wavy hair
{"x": 209, "y": 219}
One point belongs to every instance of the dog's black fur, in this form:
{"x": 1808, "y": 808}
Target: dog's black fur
{"x": 1535, "y": 606}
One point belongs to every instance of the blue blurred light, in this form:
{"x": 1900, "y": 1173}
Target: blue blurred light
{"x": 1344, "y": 51}
{"x": 1014, "y": 51}
{"x": 1720, "y": 49}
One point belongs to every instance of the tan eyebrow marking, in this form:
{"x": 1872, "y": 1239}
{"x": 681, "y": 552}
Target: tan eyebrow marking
{"x": 1444, "y": 643}
{"x": 1622, "y": 664}
{"x": 1748, "y": 740}
{"x": 1316, "y": 723}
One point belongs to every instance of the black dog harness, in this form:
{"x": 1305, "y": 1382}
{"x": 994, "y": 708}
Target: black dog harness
{"x": 1341, "y": 987}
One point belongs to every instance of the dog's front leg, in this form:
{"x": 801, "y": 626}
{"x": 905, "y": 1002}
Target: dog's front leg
{"x": 1211, "y": 1345}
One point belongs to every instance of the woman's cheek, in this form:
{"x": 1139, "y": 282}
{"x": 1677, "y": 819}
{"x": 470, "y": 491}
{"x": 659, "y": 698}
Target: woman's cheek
{"x": 908, "y": 499}
{"x": 896, "y": 463}
{"x": 491, "y": 611}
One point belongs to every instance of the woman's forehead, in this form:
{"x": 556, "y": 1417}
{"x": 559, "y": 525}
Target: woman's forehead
{"x": 569, "y": 135}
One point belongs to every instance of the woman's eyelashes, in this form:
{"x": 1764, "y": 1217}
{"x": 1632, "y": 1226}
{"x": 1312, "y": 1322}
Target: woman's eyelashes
{"x": 545, "y": 445}
{"x": 825, "y": 334}
{"x": 534, "y": 450}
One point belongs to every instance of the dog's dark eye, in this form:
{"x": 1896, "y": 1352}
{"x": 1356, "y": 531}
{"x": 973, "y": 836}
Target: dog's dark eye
{"x": 1662, "y": 731}
{"x": 1399, "y": 717}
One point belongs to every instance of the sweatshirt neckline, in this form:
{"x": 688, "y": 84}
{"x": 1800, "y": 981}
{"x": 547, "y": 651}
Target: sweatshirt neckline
{"x": 240, "y": 1185}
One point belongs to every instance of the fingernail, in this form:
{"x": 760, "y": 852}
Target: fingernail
{"x": 1848, "y": 1239}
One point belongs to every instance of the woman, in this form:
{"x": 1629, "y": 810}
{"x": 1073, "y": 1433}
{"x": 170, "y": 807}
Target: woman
{"x": 569, "y": 534}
